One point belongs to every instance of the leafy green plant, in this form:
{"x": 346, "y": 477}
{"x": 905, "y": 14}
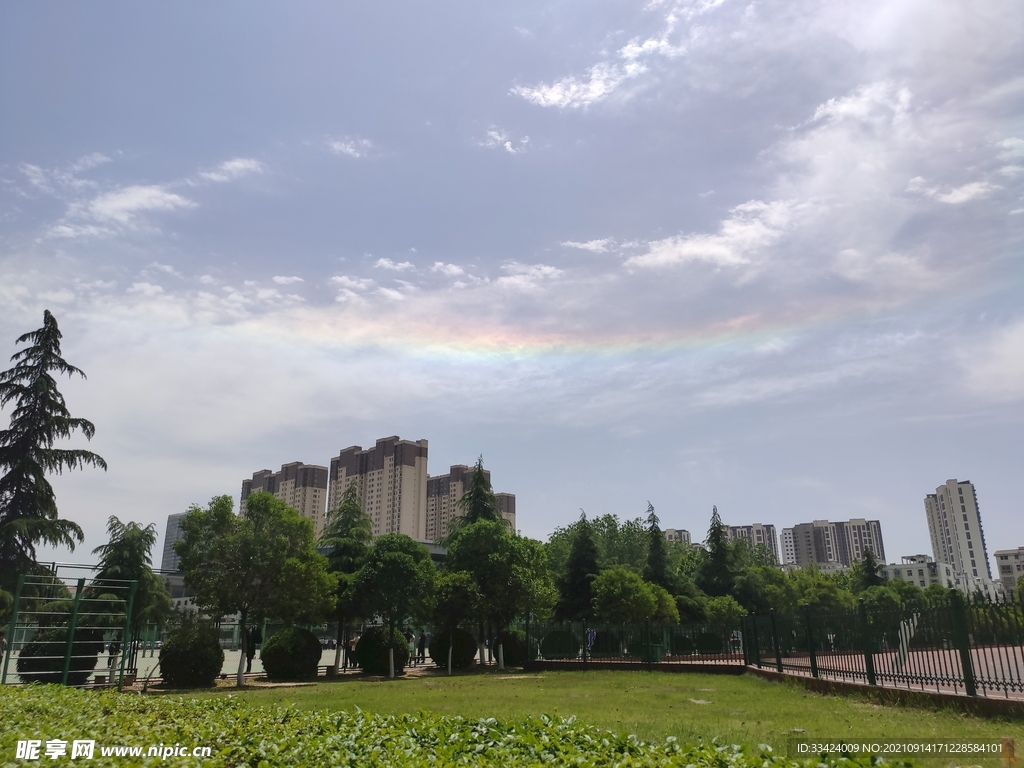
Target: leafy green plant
{"x": 560, "y": 644}
{"x": 291, "y": 653}
{"x": 192, "y": 656}
{"x": 513, "y": 643}
{"x": 607, "y": 642}
{"x": 463, "y": 649}
{"x": 42, "y": 660}
{"x": 238, "y": 734}
{"x": 372, "y": 650}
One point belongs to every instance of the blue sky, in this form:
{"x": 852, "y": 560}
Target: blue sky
{"x": 762, "y": 255}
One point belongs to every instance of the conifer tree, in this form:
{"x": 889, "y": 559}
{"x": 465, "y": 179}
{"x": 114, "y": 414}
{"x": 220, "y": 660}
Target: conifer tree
{"x": 657, "y": 570}
{"x": 575, "y": 586}
{"x": 716, "y": 574}
{"x": 28, "y": 506}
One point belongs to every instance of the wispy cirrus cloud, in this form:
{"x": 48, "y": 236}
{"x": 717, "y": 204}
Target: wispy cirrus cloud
{"x": 230, "y": 170}
{"x": 351, "y": 147}
{"x": 386, "y": 263}
{"x": 497, "y": 138}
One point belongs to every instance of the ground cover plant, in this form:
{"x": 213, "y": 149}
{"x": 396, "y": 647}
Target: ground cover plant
{"x": 652, "y": 705}
{"x": 239, "y": 734}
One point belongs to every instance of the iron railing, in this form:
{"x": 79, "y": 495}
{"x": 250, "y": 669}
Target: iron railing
{"x": 954, "y": 644}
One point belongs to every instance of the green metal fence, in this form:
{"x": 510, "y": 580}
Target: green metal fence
{"x": 74, "y": 632}
{"x": 636, "y": 644}
{"x": 955, "y": 644}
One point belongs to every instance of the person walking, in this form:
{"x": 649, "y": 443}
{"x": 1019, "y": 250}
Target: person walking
{"x": 253, "y": 638}
{"x": 410, "y": 643}
{"x": 421, "y": 647}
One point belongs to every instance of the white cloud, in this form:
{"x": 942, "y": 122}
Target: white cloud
{"x": 527, "y": 277}
{"x": 233, "y": 169}
{"x": 207, "y": 280}
{"x": 391, "y": 293}
{"x": 386, "y": 263}
{"x": 594, "y": 246}
{"x": 122, "y": 205}
{"x": 350, "y": 147}
{"x": 88, "y": 161}
{"x": 355, "y": 283}
{"x": 281, "y": 280}
{"x": 972, "y": 191}
{"x": 750, "y": 229}
{"x": 497, "y": 138}
{"x": 146, "y": 289}
{"x": 995, "y": 367}
{"x": 451, "y": 270}
{"x": 573, "y": 93}
{"x": 1012, "y": 148}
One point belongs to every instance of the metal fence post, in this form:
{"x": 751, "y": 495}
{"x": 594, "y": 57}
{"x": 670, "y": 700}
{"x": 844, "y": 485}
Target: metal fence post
{"x": 756, "y": 641}
{"x": 811, "y": 652}
{"x": 126, "y": 637}
{"x": 775, "y": 642}
{"x": 13, "y": 628}
{"x": 963, "y": 641}
{"x": 869, "y": 657}
{"x": 72, "y": 625}
{"x": 743, "y": 630}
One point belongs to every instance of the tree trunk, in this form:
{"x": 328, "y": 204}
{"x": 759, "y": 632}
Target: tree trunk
{"x": 337, "y": 650}
{"x": 240, "y": 679}
{"x": 450, "y": 644}
{"x": 501, "y": 656}
{"x": 480, "y": 645}
{"x": 391, "y": 662}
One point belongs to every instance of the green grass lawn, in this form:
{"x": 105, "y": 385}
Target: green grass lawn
{"x": 653, "y": 705}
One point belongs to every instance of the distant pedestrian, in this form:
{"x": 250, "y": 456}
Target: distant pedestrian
{"x": 253, "y": 639}
{"x": 3, "y": 646}
{"x": 410, "y": 641}
{"x": 421, "y": 648}
{"x": 113, "y": 650}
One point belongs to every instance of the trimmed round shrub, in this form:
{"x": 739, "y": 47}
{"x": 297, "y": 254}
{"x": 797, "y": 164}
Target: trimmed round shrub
{"x": 372, "y": 650}
{"x": 607, "y": 642}
{"x": 560, "y": 644}
{"x": 192, "y": 657}
{"x": 709, "y": 642}
{"x": 682, "y": 645}
{"x": 513, "y": 642}
{"x": 463, "y": 648}
{"x": 42, "y": 659}
{"x": 291, "y": 653}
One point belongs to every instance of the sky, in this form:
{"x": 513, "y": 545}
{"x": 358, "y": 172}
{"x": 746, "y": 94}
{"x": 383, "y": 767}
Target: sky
{"x": 761, "y": 255}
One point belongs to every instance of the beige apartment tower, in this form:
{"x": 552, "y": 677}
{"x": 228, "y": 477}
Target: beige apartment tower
{"x": 824, "y": 542}
{"x": 443, "y": 494}
{"x": 301, "y": 486}
{"x": 758, "y": 533}
{"x": 391, "y": 480}
{"x": 954, "y": 522}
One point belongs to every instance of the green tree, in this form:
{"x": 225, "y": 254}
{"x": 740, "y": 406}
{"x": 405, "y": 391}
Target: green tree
{"x": 657, "y": 570}
{"x": 347, "y": 538}
{"x": 760, "y": 589}
{"x": 575, "y": 583}
{"x": 456, "y": 602}
{"x": 260, "y": 566}
{"x": 716, "y": 575}
{"x": 397, "y": 582}
{"x": 621, "y": 596}
{"x": 867, "y": 572}
{"x": 813, "y": 588}
{"x": 510, "y": 570}
{"x": 28, "y": 506}
{"x": 724, "y": 611}
{"x": 126, "y": 557}
{"x": 665, "y": 609}
{"x": 477, "y": 503}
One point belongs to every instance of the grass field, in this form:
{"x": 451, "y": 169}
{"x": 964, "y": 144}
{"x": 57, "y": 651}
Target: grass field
{"x": 653, "y": 705}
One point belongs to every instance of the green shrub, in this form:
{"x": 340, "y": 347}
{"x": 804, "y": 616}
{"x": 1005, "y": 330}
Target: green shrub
{"x": 192, "y": 656}
{"x": 560, "y": 644}
{"x": 513, "y": 643}
{"x": 682, "y": 645}
{"x": 647, "y": 646}
{"x": 463, "y": 651}
{"x": 291, "y": 653}
{"x": 239, "y": 733}
{"x": 709, "y": 642}
{"x": 372, "y": 651}
{"x": 42, "y": 659}
{"x": 607, "y": 642}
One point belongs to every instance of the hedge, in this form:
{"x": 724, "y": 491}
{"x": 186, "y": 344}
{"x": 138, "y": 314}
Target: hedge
{"x": 192, "y": 656}
{"x": 267, "y": 737}
{"x": 372, "y": 651}
{"x": 463, "y": 652}
{"x": 292, "y": 653}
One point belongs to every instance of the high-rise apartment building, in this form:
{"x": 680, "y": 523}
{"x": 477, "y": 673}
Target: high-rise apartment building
{"x": 1010, "y": 566}
{"x": 954, "y": 522}
{"x": 680, "y": 535}
{"x": 443, "y": 494}
{"x": 301, "y": 486}
{"x": 391, "y": 480}
{"x": 823, "y": 542}
{"x": 757, "y": 534}
{"x": 170, "y": 560}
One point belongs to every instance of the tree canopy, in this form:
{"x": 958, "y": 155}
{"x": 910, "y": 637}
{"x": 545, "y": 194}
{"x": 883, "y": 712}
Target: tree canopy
{"x": 575, "y": 584}
{"x": 260, "y": 566}
{"x": 40, "y": 417}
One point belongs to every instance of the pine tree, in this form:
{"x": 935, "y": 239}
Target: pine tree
{"x": 28, "y": 506}
{"x": 657, "y": 570}
{"x": 477, "y": 503}
{"x": 575, "y": 586}
{"x": 716, "y": 574}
